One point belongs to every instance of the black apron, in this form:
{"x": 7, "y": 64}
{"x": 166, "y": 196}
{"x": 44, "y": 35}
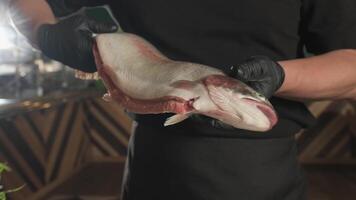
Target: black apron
{"x": 195, "y": 161}
{"x": 186, "y": 161}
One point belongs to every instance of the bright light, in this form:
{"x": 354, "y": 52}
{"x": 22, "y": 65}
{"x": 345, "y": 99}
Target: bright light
{"x": 6, "y": 37}
{"x": 4, "y": 7}
{"x": 5, "y": 34}
{"x": 14, "y": 47}
{"x": 7, "y": 69}
{"x": 6, "y": 101}
{"x": 9, "y": 36}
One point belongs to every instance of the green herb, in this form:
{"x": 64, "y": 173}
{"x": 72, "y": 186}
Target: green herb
{"x": 5, "y": 168}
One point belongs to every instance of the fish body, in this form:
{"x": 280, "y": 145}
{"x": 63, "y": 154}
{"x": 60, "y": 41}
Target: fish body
{"x": 143, "y": 80}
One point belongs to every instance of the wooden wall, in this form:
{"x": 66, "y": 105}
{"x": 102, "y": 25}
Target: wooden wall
{"x": 330, "y": 140}
{"x": 45, "y": 146}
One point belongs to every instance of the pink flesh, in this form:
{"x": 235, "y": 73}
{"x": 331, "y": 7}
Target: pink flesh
{"x": 271, "y": 115}
{"x": 267, "y": 110}
{"x": 152, "y": 106}
{"x": 221, "y": 81}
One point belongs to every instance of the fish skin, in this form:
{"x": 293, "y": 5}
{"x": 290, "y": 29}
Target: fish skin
{"x": 143, "y": 80}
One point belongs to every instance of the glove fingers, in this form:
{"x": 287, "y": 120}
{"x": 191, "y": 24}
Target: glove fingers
{"x": 85, "y": 57}
{"x": 78, "y": 56}
{"x": 101, "y": 27}
{"x": 241, "y": 74}
{"x": 70, "y": 41}
{"x": 250, "y": 70}
{"x": 42, "y": 37}
{"x": 263, "y": 88}
{"x": 51, "y": 48}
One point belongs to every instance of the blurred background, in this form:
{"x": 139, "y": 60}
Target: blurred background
{"x": 63, "y": 142}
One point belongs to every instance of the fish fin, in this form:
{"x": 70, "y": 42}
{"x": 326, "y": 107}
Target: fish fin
{"x": 222, "y": 99}
{"x": 219, "y": 97}
{"x": 175, "y": 119}
{"x": 107, "y": 97}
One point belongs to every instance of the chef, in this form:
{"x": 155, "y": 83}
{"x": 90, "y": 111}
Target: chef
{"x": 259, "y": 42}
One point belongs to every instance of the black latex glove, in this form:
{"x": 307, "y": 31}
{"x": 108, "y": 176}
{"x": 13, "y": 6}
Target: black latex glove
{"x": 260, "y": 73}
{"x": 70, "y": 41}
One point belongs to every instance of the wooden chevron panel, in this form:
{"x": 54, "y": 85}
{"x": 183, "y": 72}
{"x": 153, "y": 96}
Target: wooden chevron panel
{"x": 330, "y": 139}
{"x": 108, "y": 127}
{"x": 19, "y": 156}
{"x": 44, "y": 146}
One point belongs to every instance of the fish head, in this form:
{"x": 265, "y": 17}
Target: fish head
{"x": 239, "y": 105}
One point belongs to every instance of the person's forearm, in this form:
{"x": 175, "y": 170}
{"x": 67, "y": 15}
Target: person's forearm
{"x": 328, "y": 76}
{"x": 28, "y": 15}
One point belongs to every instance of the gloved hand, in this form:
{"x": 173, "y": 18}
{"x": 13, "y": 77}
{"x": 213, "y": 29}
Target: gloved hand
{"x": 70, "y": 41}
{"x": 260, "y": 73}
